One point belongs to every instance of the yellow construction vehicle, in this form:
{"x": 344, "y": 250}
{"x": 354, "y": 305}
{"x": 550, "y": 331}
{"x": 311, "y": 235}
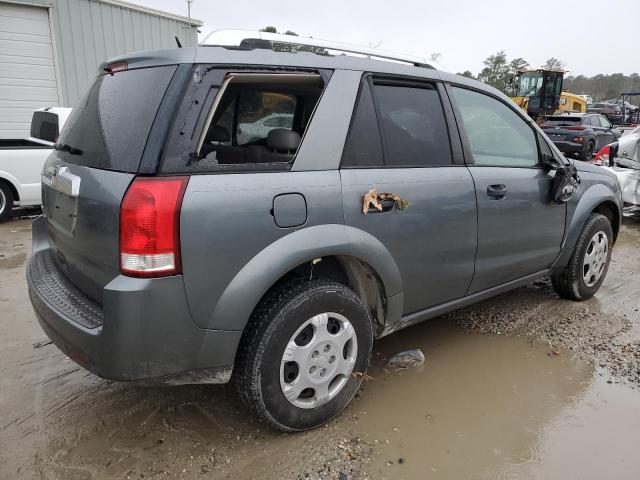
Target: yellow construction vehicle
{"x": 539, "y": 93}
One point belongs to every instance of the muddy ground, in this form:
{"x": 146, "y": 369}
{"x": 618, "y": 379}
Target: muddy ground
{"x": 521, "y": 386}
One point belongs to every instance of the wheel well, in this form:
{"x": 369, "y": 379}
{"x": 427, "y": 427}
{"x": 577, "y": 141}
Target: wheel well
{"x": 351, "y": 272}
{"x": 12, "y": 187}
{"x": 610, "y": 210}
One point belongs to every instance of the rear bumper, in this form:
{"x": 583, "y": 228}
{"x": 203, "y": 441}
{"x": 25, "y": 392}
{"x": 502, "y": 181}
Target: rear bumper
{"x": 142, "y": 332}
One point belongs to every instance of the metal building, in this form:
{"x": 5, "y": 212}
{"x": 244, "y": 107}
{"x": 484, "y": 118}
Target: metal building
{"x": 50, "y": 49}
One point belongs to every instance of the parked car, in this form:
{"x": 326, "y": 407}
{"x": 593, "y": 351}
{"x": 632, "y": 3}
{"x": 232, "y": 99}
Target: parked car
{"x": 580, "y": 134}
{"x": 630, "y": 107}
{"x": 609, "y": 110}
{"x": 623, "y": 159}
{"x": 252, "y": 131}
{"x": 168, "y": 255}
{"x": 21, "y": 160}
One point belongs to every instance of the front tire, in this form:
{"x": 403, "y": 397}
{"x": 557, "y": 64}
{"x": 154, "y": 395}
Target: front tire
{"x": 589, "y": 262}
{"x": 6, "y": 201}
{"x": 303, "y": 354}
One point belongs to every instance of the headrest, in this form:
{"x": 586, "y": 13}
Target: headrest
{"x": 217, "y": 133}
{"x": 282, "y": 139}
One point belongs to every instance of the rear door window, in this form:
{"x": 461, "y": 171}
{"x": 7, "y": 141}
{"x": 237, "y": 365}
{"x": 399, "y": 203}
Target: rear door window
{"x": 363, "y": 147}
{"x": 109, "y": 126}
{"x": 604, "y": 123}
{"x": 413, "y": 125}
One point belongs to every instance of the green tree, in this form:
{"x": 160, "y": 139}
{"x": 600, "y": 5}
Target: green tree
{"x": 554, "y": 64}
{"x": 467, "y": 74}
{"x": 518, "y": 64}
{"x": 496, "y": 72}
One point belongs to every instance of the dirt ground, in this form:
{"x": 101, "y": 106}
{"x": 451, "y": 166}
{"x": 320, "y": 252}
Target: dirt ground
{"x": 521, "y": 386}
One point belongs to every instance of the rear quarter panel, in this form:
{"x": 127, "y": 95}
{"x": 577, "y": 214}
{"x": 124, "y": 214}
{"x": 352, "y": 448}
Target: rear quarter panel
{"x": 226, "y": 222}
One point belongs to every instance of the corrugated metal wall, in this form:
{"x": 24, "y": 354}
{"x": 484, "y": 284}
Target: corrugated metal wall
{"x": 87, "y": 32}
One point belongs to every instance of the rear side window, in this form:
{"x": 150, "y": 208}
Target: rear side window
{"x": 497, "y": 135}
{"x": 413, "y": 125}
{"x": 109, "y": 126}
{"x": 44, "y": 126}
{"x": 258, "y": 121}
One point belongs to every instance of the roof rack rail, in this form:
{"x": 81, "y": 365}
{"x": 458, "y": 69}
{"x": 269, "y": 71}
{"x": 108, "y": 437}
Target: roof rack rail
{"x": 259, "y": 39}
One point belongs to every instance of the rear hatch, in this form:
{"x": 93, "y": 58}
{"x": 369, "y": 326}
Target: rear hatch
{"x": 562, "y": 129}
{"x": 86, "y": 177}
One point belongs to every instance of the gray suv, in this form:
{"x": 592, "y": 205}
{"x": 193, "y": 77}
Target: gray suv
{"x": 176, "y": 248}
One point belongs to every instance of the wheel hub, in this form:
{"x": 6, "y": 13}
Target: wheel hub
{"x": 318, "y": 360}
{"x": 595, "y": 259}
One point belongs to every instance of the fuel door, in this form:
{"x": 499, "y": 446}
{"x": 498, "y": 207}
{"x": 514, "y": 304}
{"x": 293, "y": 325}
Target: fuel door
{"x": 289, "y": 210}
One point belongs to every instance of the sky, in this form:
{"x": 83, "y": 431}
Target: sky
{"x": 463, "y": 32}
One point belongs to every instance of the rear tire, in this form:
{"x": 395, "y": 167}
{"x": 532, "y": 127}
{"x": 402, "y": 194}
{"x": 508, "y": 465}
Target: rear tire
{"x": 587, "y": 152}
{"x": 301, "y": 322}
{"x": 6, "y": 201}
{"x": 589, "y": 262}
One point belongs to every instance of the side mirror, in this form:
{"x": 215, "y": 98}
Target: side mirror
{"x": 549, "y": 162}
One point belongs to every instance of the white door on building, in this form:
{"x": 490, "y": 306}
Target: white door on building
{"x": 27, "y": 71}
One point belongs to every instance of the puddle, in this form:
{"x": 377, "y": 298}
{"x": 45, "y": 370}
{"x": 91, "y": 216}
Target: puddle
{"x": 490, "y": 406}
{"x": 12, "y": 261}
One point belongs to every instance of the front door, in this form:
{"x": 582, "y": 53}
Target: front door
{"x": 520, "y": 229}
{"x": 433, "y": 239}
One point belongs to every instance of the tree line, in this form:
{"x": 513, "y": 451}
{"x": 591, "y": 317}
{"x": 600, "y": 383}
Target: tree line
{"x": 499, "y": 72}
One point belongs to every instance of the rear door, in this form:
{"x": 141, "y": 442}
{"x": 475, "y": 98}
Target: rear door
{"x": 84, "y": 180}
{"x": 520, "y": 229}
{"x": 399, "y": 144}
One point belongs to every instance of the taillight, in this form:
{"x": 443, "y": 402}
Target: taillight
{"x": 603, "y": 156}
{"x": 150, "y": 227}
{"x": 576, "y": 128}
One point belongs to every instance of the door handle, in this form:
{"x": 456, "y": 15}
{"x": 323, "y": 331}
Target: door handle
{"x": 497, "y": 191}
{"x": 387, "y": 206}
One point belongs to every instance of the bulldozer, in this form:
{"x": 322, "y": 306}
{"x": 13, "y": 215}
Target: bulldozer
{"x": 539, "y": 93}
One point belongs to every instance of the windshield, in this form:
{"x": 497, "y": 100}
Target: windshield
{"x": 529, "y": 84}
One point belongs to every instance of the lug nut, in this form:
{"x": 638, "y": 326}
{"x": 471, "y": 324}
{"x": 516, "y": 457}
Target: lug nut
{"x": 327, "y": 348}
{"x": 315, "y": 354}
{"x": 313, "y": 369}
{"x": 332, "y": 359}
{"x": 323, "y": 372}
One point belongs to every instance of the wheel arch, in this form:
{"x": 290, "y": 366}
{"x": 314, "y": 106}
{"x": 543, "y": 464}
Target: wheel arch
{"x": 345, "y": 254}
{"x": 598, "y": 198}
{"x": 11, "y": 182}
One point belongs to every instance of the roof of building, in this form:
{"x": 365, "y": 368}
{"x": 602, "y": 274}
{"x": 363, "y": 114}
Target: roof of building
{"x": 152, "y": 11}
